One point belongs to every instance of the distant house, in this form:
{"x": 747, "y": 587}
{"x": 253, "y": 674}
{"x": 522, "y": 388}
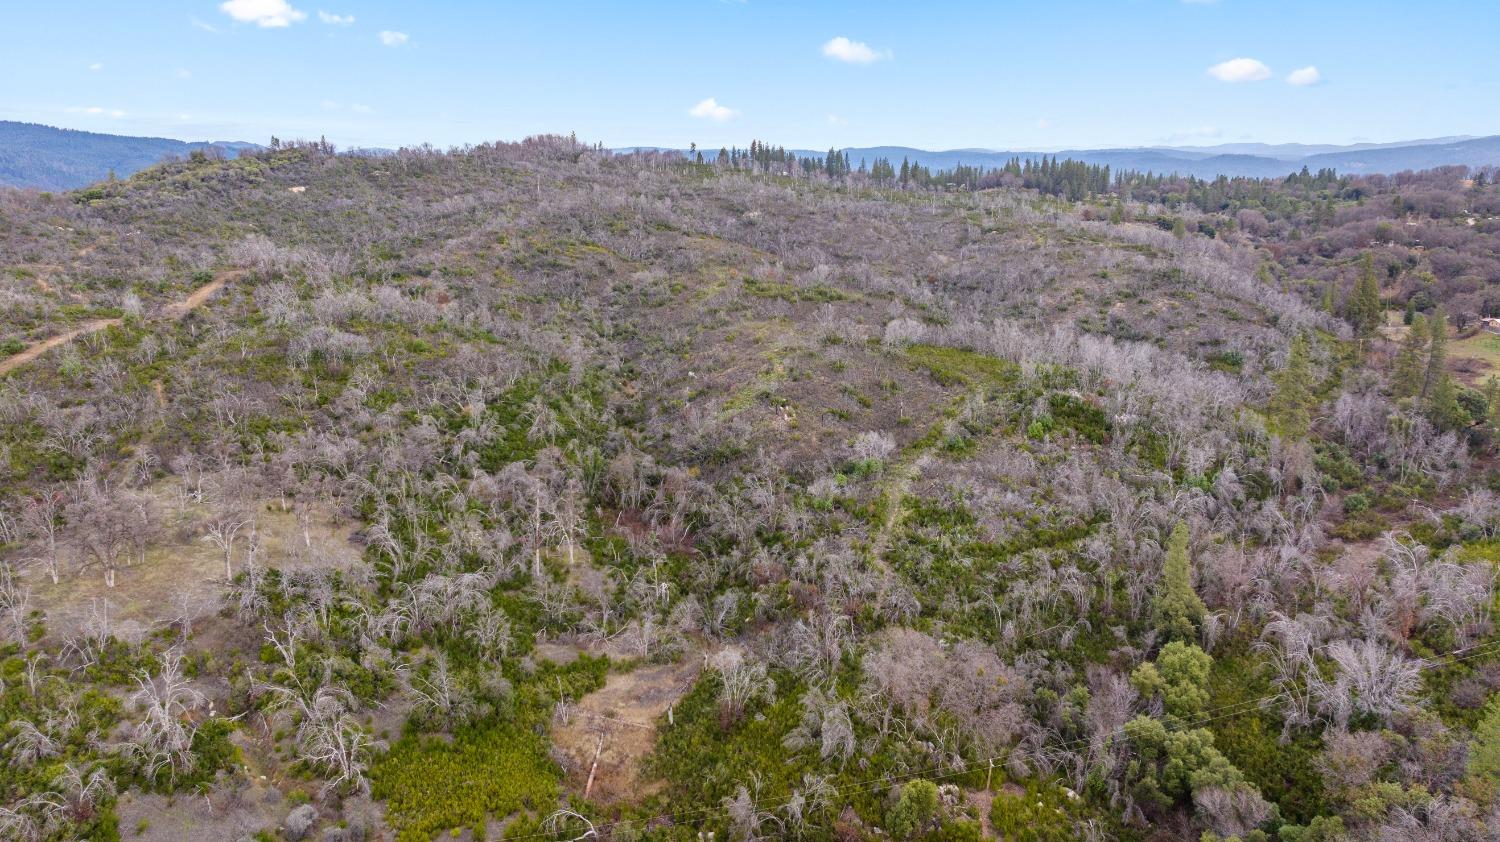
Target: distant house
{"x": 1490, "y": 324}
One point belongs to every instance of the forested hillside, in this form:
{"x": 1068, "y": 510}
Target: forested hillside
{"x": 528, "y": 491}
{"x": 47, "y": 158}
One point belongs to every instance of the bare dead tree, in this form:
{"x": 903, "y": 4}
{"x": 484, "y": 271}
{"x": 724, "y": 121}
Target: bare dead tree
{"x": 222, "y": 530}
{"x": 742, "y": 679}
{"x": 163, "y": 738}
{"x": 43, "y": 517}
{"x": 15, "y": 604}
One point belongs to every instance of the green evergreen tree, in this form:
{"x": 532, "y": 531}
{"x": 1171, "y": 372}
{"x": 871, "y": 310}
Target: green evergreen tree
{"x": 1439, "y": 391}
{"x": 1179, "y": 675}
{"x": 1437, "y": 352}
{"x": 1365, "y": 308}
{"x": 1443, "y": 407}
{"x": 1178, "y": 608}
{"x": 1291, "y": 403}
{"x": 1409, "y": 371}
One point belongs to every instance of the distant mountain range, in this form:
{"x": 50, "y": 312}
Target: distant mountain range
{"x": 48, "y": 158}
{"x": 1257, "y": 160}
{"x": 44, "y": 157}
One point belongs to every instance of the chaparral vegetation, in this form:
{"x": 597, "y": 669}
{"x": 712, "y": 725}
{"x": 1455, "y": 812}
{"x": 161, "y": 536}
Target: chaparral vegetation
{"x": 531, "y": 491}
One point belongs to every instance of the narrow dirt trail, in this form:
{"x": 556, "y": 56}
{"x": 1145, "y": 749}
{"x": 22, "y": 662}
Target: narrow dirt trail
{"x": 40, "y": 348}
{"x": 175, "y": 311}
{"x": 178, "y": 309}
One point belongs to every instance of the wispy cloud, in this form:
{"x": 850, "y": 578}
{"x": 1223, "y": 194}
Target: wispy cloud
{"x": 96, "y": 66}
{"x": 1240, "y": 70}
{"x": 710, "y": 109}
{"x": 853, "y": 52}
{"x": 1043, "y": 123}
{"x": 335, "y": 20}
{"x": 836, "y": 120}
{"x": 1304, "y": 76}
{"x": 393, "y": 39}
{"x": 184, "y": 73}
{"x": 204, "y": 25}
{"x": 271, "y": 14}
{"x": 96, "y": 111}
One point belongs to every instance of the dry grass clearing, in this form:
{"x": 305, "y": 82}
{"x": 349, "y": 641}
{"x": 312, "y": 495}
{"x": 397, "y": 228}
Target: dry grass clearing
{"x": 183, "y": 575}
{"x": 618, "y": 725}
{"x": 1476, "y": 356}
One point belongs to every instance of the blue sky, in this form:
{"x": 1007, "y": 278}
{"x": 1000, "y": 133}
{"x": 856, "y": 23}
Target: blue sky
{"x": 997, "y": 74}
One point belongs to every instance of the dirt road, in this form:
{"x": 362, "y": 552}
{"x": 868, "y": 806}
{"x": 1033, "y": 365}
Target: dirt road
{"x": 40, "y": 348}
{"x": 175, "y": 311}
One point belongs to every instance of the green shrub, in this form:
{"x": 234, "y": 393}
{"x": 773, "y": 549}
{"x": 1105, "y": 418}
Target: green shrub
{"x": 432, "y": 785}
{"x": 914, "y": 811}
{"x": 1040, "y": 814}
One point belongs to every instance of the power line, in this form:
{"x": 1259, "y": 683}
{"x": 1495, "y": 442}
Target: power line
{"x": 936, "y": 774}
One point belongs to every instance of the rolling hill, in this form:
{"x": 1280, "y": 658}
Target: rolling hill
{"x": 48, "y": 158}
{"x": 1249, "y": 160}
{"x": 33, "y": 155}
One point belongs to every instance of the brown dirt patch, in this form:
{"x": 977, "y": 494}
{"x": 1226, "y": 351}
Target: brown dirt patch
{"x": 233, "y": 811}
{"x": 622, "y": 718}
{"x": 980, "y": 801}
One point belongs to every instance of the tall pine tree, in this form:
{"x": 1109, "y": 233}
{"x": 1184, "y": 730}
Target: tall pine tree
{"x": 1291, "y": 404}
{"x": 1409, "y": 372}
{"x": 1365, "y": 309}
{"x": 1438, "y": 389}
{"x": 1437, "y": 352}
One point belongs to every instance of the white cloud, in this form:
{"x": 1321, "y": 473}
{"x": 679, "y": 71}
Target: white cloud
{"x": 96, "y": 66}
{"x": 96, "y": 111}
{"x": 184, "y": 73}
{"x": 1304, "y": 76}
{"x": 854, "y": 52}
{"x": 836, "y": 120}
{"x": 206, "y": 27}
{"x": 1240, "y": 70}
{"x": 335, "y": 20}
{"x": 272, "y": 14}
{"x": 1043, "y": 123}
{"x": 710, "y": 109}
{"x": 359, "y": 108}
{"x": 393, "y": 39}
